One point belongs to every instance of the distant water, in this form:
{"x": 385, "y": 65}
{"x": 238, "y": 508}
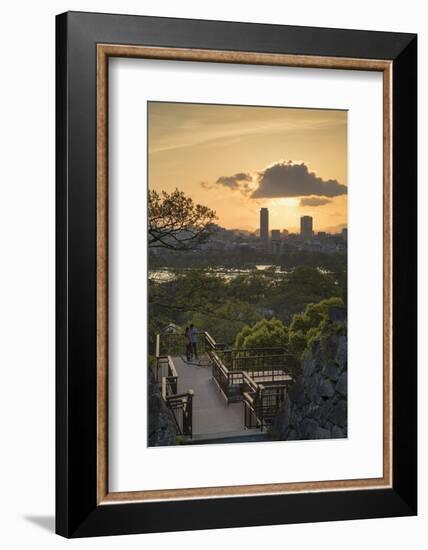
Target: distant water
{"x": 165, "y": 275}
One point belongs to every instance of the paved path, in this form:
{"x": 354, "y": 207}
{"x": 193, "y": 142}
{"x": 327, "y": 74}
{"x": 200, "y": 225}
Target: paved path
{"x": 211, "y": 413}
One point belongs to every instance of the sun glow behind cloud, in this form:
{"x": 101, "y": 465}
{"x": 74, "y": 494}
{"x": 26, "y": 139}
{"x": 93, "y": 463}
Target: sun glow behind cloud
{"x": 284, "y": 202}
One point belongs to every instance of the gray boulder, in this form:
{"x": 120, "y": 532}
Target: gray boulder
{"x": 341, "y": 357}
{"x": 342, "y": 384}
{"x": 331, "y": 370}
{"x": 315, "y": 406}
{"x": 321, "y": 433}
{"x": 162, "y": 427}
{"x": 340, "y": 414}
{"x": 326, "y": 388}
{"x": 308, "y": 364}
{"x": 337, "y": 433}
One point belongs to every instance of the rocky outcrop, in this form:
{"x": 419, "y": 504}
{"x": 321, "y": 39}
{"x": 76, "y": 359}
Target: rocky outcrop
{"x": 162, "y": 428}
{"x": 316, "y": 404}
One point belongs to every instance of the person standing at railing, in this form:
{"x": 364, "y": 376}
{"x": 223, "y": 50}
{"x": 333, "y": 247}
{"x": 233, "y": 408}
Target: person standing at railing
{"x": 188, "y": 344}
{"x": 193, "y": 333}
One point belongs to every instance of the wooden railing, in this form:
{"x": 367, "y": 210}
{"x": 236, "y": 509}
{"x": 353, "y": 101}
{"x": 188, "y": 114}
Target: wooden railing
{"x": 181, "y": 405}
{"x": 174, "y": 343}
{"x": 235, "y": 358}
{"x": 259, "y": 377}
{"x": 262, "y": 401}
{"x": 166, "y": 369}
{"x": 228, "y": 381}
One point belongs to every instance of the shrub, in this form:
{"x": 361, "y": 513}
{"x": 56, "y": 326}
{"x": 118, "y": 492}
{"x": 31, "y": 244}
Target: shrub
{"x": 269, "y": 333}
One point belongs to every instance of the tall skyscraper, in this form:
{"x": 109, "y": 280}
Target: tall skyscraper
{"x": 306, "y": 231}
{"x": 264, "y": 225}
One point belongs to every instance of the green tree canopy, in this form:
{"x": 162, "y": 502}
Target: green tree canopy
{"x": 300, "y": 287}
{"x": 224, "y": 306}
{"x": 269, "y": 333}
{"x": 306, "y": 327}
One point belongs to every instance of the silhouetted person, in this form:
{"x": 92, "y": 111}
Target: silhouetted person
{"x": 188, "y": 344}
{"x": 194, "y": 340}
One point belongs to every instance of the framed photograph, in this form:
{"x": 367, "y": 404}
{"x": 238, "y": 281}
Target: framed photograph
{"x": 236, "y": 274}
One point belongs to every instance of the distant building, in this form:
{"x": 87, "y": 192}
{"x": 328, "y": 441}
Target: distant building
{"x": 306, "y": 231}
{"x": 345, "y": 233}
{"x": 264, "y": 225}
{"x": 171, "y": 328}
{"x": 275, "y": 241}
{"x": 284, "y": 233}
{"x": 321, "y": 234}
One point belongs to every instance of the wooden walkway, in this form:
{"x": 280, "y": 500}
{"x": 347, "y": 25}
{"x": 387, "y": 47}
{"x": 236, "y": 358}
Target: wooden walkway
{"x": 211, "y": 413}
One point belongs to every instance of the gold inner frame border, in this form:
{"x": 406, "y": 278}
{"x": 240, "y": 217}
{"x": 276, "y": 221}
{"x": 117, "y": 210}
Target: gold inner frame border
{"x": 104, "y": 52}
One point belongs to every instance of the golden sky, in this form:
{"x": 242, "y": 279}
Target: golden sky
{"x": 237, "y": 159}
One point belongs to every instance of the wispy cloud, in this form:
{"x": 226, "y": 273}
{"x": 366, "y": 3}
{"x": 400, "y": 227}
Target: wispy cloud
{"x": 314, "y": 201}
{"x": 178, "y": 126}
{"x": 237, "y": 181}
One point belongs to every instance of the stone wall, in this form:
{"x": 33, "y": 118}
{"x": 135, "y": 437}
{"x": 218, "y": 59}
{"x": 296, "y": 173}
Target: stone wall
{"x": 316, "y": 404}
{"x": 162, "y": 427}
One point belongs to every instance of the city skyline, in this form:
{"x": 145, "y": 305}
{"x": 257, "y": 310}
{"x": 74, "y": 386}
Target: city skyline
{"x": 264, "y": 230}
{"x": 306, "y": 228}
{"x": 237, "y": 160}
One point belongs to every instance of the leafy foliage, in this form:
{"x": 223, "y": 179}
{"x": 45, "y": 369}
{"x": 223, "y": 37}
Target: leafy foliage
{"x": 176, "y": 222}
{"x": 265, "y": 333}
{"x": 303, "y": 329}
{"x": 306, "y": 327}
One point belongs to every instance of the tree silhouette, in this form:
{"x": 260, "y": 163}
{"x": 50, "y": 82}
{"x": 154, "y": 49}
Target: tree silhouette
{"x": 176, "y": 222}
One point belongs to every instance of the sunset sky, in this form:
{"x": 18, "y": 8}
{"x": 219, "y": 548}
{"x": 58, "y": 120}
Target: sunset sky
{"x": 238, "y": 159}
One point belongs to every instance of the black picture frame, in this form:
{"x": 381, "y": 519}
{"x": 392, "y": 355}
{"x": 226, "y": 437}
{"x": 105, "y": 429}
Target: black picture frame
{"x": 77, "y": 511}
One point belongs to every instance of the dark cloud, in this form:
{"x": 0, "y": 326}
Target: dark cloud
{"x": 238, "y": 181}
{"x": 287, "y": 179}
{"x": 314, "y": 201}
